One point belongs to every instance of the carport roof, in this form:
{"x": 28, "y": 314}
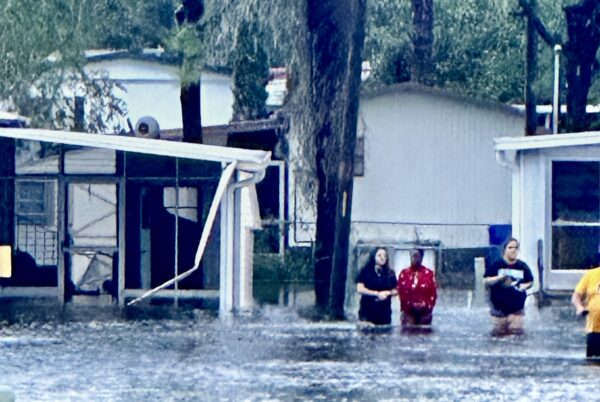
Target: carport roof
{"x": 247, "y": 159}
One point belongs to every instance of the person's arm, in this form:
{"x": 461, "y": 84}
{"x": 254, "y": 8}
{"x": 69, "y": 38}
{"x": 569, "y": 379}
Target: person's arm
{"x": 433, "y": 290}
{"x": 393, "y": 284}
{"x": 524, "y": 286}
{"x": 492, "y": 280}
{"x": 363, "y": 290}
{"x": 578, "y": 301}
{"x": 491, "y": 277}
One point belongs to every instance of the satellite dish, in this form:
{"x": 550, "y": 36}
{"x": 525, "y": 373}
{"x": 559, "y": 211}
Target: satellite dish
{"x": 147, "y": 127}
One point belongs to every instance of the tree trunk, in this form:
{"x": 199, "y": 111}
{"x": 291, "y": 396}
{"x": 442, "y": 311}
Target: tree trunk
{"x": 190, "y": 112}
{"x": 190, "y": 12}
{"x": 580, "y": 52}
{"x": 583, "y": 28}
{"x": 531, "y": 72}
{"x": 328, "y": 76}
{"x": 422, "y": 64}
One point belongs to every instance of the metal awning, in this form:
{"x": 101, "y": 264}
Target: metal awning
{"x": 246, "y": 159}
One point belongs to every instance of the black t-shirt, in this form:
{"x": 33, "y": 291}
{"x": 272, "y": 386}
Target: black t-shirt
{"x": 506, "y": 297}
{"x": 371, "y": 308}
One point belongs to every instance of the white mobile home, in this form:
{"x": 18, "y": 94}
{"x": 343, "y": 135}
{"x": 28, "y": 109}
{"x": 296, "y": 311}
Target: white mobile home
{"x": 152, "y": 84}
{"x": 426, "y": 172}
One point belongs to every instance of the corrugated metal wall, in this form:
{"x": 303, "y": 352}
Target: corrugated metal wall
{"x": 429, "y": 160}
{"x": 430, "y": 171}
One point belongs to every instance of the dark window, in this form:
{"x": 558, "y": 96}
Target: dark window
{"x": 575, "y": 214}
{"x": 34, "y": 203}
{"x": 359, "y": 157}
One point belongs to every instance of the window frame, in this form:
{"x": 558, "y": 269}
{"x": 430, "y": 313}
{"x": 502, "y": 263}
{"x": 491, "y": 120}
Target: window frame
{"x": 557, "y": 223}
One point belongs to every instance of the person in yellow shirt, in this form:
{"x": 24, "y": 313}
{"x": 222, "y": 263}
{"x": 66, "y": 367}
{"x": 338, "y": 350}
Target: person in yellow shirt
{"x": 586, "y": 299}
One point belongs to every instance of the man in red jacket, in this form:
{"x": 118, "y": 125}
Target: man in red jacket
{"x": 417, "y": 291}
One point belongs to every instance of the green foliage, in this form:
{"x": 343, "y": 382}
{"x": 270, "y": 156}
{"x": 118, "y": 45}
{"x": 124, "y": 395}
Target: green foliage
{"x": 479, "y": 46}
{"x": 127, "y": 24}
{"x": 187, "y": 41}
{"x": 250, "y": 74}
{"x": 387, "y": 43}
{"x": 296, "y": 266}
{"x": 42, "y": 43}
{"x": 275, "y": 19}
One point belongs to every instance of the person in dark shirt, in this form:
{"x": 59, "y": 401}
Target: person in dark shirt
{"x": 376, "y": 283}
{"x": 508, "y": 279}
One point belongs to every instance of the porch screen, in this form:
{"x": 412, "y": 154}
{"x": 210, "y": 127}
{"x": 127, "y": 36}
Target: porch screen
{"x": 575, "y": 214}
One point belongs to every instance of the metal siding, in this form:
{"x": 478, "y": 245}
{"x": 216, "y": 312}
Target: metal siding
{"x": 430, "y": 160}
{"x": 91, "y": 161}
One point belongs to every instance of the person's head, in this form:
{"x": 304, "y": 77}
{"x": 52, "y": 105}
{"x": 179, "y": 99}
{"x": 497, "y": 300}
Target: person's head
{"x": 377, "y": 256}
{"x": 380, "y": 257}
{"x": 416, "y": 257}
{"x": 510, "y": 249}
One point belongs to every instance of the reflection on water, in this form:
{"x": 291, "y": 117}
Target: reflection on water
{"x": 276, "y": 355}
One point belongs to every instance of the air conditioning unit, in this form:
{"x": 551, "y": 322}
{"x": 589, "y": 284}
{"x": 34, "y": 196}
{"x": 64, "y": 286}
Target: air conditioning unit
{"x": 147, "y": 127}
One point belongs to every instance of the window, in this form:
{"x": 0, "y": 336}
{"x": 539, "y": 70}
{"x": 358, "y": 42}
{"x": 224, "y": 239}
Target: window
{"x": 35, "y": 202}
{"x": 359, "y": 157}
{"x": 35, "y": 210}
{"x": 182, "y": 201}
{"x": 575, "y": 215}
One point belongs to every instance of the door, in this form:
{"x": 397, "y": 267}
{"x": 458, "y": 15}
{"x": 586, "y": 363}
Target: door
{"x": 91, "y": 239}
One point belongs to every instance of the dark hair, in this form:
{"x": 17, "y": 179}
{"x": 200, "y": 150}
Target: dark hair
{"x": 371, "y": 261}
{"x": 418, "y": 250}
{"x": 508, "y": 241}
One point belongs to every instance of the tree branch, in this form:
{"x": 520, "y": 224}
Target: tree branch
{"x": 548, "y": 37}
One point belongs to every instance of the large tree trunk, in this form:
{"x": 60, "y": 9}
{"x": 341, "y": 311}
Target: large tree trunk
{"x": 422, "y": 39}
{"x": 580, "y": 51}
{"x": 328, "y": 76}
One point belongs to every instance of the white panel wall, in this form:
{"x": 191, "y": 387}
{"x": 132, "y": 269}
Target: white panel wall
{"x": 153, "y": 89}
{"x": 90, "y": 161}
{"x": 430, "y": 170}
{"x": 430, "y": 159}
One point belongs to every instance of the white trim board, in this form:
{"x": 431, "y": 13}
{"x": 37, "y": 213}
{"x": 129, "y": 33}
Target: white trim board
{"x": 546, "y": 141}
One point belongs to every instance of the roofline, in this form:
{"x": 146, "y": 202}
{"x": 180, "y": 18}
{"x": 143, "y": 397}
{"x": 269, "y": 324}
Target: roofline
{"x": 546, "y": 141}
{"x": 404, "y": 87}
{"x": 118, "y": 54}
{"x": 162, "y": 57}
{"x": 247, "y": 159}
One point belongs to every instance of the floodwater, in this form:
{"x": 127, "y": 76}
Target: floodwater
{"x": 183, "y": 354}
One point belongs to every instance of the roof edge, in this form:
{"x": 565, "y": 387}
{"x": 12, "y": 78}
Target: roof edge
{"x": 546, "y": 141}
{"x": 252, "y": 159}
{"x": 408, "y": 87}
